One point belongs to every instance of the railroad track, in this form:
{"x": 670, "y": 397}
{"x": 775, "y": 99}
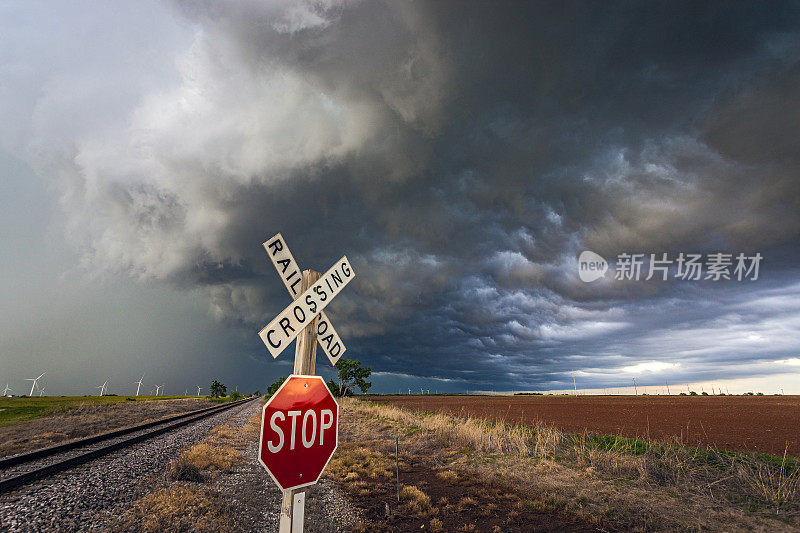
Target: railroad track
{"x": 24, "y": 468}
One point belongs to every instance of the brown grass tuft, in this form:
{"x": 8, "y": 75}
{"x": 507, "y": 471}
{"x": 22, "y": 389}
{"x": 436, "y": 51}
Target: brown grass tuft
{"x": 447, "y": 475}
{"x": 776, "y": 486}
{"x": 205, "y": 456}
{"x": 415, "y": 500}
{"x": 181, "y": 469}
{"x": 463, "y": 503}
{"x": 352, "y": 463}
{"x": 177, "y": 508}
{"x": 482, "y": 436}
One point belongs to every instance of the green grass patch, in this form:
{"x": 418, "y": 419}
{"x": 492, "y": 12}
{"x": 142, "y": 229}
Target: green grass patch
{"x": 229, "y": 398}
{"x": 713, "y": 457}
{"x": 790, "y": 464}
{"x": 14, "y": 410}
{"x": 626, "y": 445}
{"x": 411, "y": 430}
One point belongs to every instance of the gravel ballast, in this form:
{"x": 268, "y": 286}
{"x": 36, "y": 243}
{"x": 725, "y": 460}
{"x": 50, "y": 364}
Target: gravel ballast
{"x": 90, "y": 496}
{"x": 254, "y": 500}
{"x": 76, "y": 500}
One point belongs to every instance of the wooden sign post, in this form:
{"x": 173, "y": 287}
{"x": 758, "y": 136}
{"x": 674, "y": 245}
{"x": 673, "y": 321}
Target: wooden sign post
{"x": 304, "y": 321}
{"x": 305, "y": 362}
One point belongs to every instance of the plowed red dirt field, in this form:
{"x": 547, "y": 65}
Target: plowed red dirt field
{"x": 768, "y": 424}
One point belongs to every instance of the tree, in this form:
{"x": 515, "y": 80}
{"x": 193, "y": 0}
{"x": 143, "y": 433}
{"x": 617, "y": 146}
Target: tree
{"x": 351, "y": 375}
{"x": 218, "y": 389}
{"x": 275, "y": 386}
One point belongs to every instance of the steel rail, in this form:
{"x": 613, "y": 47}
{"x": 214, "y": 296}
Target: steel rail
{"x": 14, "y": 460}
{"x": 12, "y": 482}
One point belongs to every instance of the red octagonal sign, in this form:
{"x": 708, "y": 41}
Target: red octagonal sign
{"x": 299, "y": 432}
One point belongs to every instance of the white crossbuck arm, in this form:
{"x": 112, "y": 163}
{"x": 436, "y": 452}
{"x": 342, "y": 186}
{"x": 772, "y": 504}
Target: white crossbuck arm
{"x": 287, "y": 325}
{"x": 291, "y": 274}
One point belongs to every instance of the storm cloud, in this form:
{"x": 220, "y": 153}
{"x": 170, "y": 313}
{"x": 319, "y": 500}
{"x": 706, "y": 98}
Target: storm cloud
{"x": 462, "y": 155}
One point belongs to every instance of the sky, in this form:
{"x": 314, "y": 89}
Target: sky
{"x": 463, "y": 155}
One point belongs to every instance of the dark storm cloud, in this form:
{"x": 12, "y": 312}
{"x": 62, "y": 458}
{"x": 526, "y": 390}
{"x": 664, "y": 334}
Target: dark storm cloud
{"x": 462, "y": 155}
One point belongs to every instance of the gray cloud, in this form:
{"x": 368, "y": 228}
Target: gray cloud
{"x": 462, "y": 156}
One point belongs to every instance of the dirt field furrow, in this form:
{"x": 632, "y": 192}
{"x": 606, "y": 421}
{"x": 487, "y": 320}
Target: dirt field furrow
{"x": 767, "y": 424}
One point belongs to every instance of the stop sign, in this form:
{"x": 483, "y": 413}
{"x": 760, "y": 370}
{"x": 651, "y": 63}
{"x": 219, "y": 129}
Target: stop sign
{"x": 299, "y": 432}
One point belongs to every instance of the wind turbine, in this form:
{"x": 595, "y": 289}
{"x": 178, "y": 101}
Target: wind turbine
{"x": 41, "y": 391}
{"x": 102, "y": 388}
{"x": 199, "y": 388}
{"x": 35, "y": 381}
{"x": 158, "y": 388}
{"x": 138, "y": 384}
{"x": 635, "y": 390}
{"x": 5, "y": 391}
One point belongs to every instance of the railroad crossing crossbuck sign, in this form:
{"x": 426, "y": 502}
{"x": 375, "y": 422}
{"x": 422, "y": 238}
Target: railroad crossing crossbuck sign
{"x": 280, "y": 332}
{"x": 299, "y": 429}
{"x": 300, "y": 423}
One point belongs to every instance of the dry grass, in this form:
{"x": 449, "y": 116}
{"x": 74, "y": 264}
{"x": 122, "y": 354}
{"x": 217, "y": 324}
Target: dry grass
{"x": 654, "y": 486}
{"x": 353, "y": 462}
{"x": 219, "y": 451}
{"x": 181, "y": 469}
{"x": 415, "y": 500}
{"x": 210, "y": 455}
{"x": 447, "y": 475}
{"x": 778, "y": 487}
{"x": 484, "y": 437}
{"x": 463, "y": 503}
{"x": 176, "y": 508}
{"x": 185, "y": 504}
{"x": 355, "y": 465}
